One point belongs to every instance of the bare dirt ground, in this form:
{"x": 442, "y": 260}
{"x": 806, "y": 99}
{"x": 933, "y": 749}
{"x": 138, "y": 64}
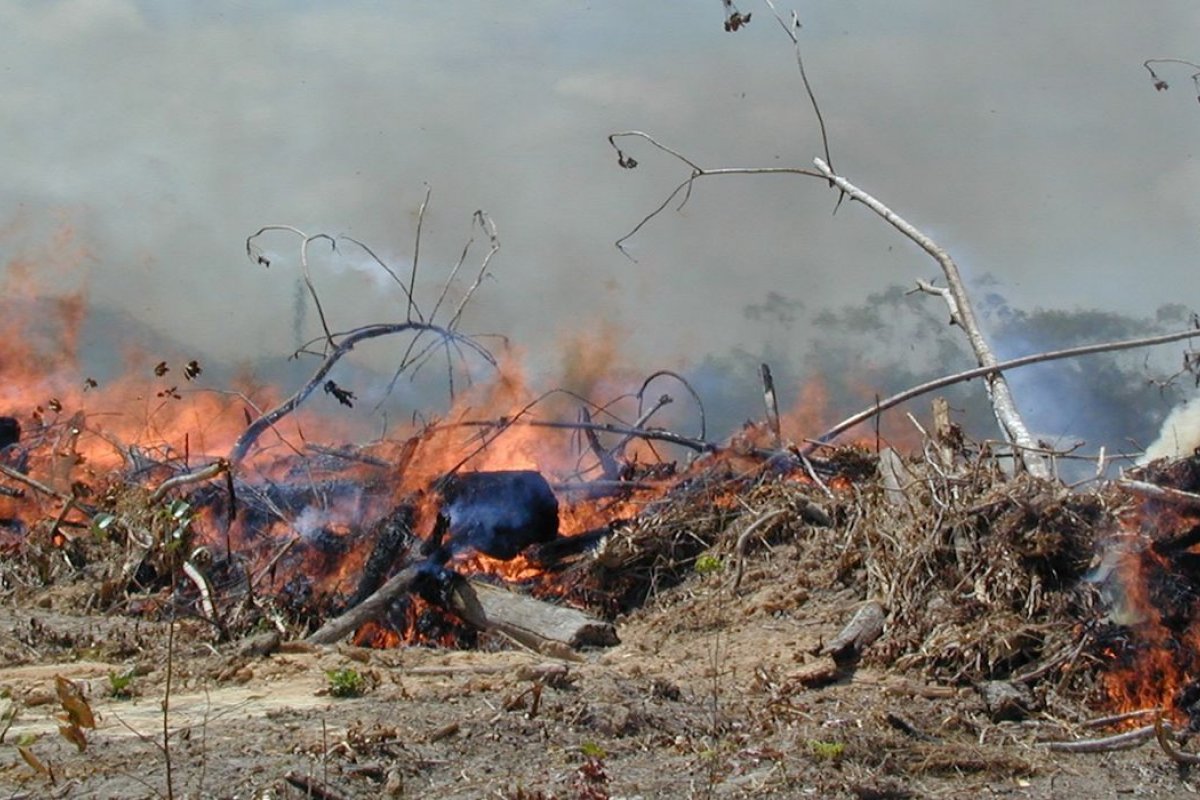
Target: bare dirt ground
{"x": 699, "y": 700}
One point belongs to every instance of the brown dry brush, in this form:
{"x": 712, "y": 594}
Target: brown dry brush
{"x": 983, "y": 574}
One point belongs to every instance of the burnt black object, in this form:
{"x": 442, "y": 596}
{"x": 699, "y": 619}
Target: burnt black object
{"x": 498, "y": 514}
{"x": 10, "y": 431}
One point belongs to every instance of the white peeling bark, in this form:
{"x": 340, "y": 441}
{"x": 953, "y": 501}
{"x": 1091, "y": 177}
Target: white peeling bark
{"x": 962, "y": 313}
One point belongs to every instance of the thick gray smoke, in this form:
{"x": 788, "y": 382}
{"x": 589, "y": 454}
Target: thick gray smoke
{"x": 1025, "y": 136}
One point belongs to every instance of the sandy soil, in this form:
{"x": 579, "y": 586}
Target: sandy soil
{"x": 701, "y": 699}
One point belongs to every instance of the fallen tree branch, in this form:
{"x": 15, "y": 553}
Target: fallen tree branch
{"x": 33, "y": 484}
{"x": 1176, "y": 497}
{"x": 1115, "y": 719}
{"x": 1105, "y": 744}
{"x": 313, "y": 787}
{"x": 656, "y": 434}
{"x": 207, "y": 606}
{"x": 977, "y": 372}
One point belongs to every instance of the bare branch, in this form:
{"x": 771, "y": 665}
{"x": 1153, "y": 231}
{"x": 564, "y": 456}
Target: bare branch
{"x": 412, "y": 306}
{"x": 1160, "y": 84}
{"x": 653, "y": 434}
{"x": 978, "y": 372}
{"x": 1120, "y": 741}
{"x": 412, "y": 276}
{"x": 341, "y": 347}
{"x": 667, "y": 373}
{"x": 790, "y": 30}
{"x": 697, "y": 173}
{"x": 211, "y": 471}
{"x": 1003, "y": 405}
{"x": 304, "y": 271}
{"x": 33, "y": 484}
{"x": 1162, "y": 732}
{"x": 489, "y": 227}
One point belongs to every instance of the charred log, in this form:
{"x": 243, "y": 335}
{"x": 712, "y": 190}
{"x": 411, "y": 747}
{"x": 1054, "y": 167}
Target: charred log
{"x": 393, "y": 537}
{"x": 565, "y": 549}
{"x": 498, "y": 514}
{"x": 10, "y": 431}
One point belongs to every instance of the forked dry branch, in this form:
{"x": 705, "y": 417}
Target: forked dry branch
{"x": 416, "y": 325}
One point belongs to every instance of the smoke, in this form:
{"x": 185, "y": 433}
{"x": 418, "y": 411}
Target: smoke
{"x": 168, "y": 132}
{"x": 1180, "y": 434}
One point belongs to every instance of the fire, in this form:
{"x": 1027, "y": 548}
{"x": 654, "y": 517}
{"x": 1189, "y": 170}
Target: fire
{"x": 319, "y": 526}
{"x": 1154, "y": 649}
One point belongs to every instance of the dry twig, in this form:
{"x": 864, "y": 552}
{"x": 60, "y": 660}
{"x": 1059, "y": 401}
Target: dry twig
{"x": 1120, "y": 741}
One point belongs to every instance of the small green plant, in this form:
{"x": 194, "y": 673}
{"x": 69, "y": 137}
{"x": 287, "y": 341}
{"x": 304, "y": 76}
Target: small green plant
{"x": 707, "y": 564}
{"x": 101, "y": 524}
{"x": 179, "y": 521}
{"x": 590, "y": 749}
{"x": 826, "y": 751}
{"x": 346, "y": 682}
{"x": 120, "y": 686}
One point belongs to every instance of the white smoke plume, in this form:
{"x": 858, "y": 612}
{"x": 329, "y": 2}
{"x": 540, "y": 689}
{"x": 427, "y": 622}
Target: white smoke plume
{"x": 1180, "y": 434}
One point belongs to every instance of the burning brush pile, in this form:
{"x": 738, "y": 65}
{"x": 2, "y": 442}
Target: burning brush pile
{"x": 455, "y": 537}
{"x": 509, "y": 521}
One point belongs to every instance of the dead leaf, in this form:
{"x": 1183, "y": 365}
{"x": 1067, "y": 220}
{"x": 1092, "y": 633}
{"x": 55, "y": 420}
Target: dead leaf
{"x": 74, "y": 734}
{"x": 74, "y": 703}
{"x": 33, "y": 761}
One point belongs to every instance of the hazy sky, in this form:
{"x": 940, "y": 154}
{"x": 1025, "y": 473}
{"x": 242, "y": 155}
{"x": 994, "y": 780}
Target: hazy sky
{"x": 1025, "y": 136}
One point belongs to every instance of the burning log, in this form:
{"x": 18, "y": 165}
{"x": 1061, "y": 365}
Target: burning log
{"x": 498, "y": 514}
{"x": 393, "y": 536}
{"x": 536, "y": 624}
{"x": 372, "y": 608}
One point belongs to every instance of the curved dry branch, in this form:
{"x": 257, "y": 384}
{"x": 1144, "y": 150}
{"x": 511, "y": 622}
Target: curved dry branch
{"x": 259, "y": 258}
{"x": 697, "y": 172}
{"x": 218, "y": 467}
{"x": 1160, "y": 84}
{"x": 342, "y": 346}
{"x": 1162, "y": 733}
{"x": 667, "y": 373}
{"x": 1001, "y": 366}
